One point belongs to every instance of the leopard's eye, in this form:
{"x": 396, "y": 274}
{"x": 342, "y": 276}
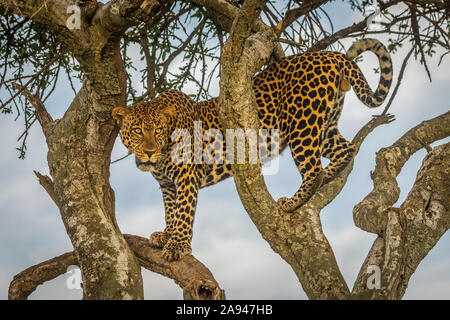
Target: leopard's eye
{"x": 137, "y": 130}
{"x": 158, "y": 130}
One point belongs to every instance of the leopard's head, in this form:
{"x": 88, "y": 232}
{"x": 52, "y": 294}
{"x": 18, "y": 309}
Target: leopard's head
{"x": 144, "y": 130}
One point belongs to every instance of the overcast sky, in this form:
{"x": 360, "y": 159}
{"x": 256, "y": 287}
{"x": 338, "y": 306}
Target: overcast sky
{"x": 225, "y": 239}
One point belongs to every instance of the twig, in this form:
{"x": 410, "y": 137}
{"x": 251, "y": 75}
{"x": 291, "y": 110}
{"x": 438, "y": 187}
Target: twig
{"x": 424, "y": 144}
{"x": 47, "y": 183}
{"x": 399, "y": 80}
{"x": 117, "y": 160}
{"x": 416, "y": 33}
{"x": 40, "y": 111}
{"x": 26, "y": 129}
{"x": 294, "y": 14}
{"x": 34, "y": 77}
{"x": 150, "y": 62}
{"x": 174, "y": 54}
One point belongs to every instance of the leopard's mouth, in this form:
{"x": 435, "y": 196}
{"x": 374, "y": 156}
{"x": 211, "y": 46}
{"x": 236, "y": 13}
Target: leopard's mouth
{"x": 148, "y": 162}
{"x": 148, "y": 158}
{"x": 155, "y": 157}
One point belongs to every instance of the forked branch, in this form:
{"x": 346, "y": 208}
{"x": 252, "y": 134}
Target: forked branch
{"x": 411, "y": 230}
{"x": 190, "y": 274}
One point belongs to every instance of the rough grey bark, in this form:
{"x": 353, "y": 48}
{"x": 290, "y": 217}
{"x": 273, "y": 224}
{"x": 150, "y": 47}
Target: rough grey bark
{"x": 79, "y": 155}
{"x": 368, "y": 214}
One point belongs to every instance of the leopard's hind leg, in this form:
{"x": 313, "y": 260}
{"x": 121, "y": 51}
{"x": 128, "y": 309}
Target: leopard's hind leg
{"x": 312, "y": 177}
{"x": 305, "y": 145}
{"x": 339, "y": 151}
{"x": 334, "y": 146}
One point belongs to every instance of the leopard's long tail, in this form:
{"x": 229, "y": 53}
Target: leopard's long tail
{"x": 357, "y": 80}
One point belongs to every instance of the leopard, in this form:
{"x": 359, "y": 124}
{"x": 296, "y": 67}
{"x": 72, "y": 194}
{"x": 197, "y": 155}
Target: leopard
{"x": 301, "y": 96}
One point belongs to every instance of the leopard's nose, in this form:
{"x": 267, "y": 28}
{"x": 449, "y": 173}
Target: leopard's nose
{"x": 149, "y": 153}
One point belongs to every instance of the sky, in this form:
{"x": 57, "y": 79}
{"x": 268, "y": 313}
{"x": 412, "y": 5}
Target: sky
{"x": 225, "y": 239}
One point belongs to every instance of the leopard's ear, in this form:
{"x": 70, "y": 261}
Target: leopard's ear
{"x": 119, "y": 113}
{"x": 169, "y": 112}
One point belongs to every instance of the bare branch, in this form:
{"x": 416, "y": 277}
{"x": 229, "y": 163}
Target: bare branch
{"x": 399, "y": 81}
{"x": 190, "y": 274}
{"x": 40, "y": 111}
{"x": 325, "y": 42}
{"x": 296, "y": 13}
{"x": 360, "y": 26}
{"x": 117, "y": 16}
{"x": 27, "y": 281}
{"x": 47, "y": 183}
{"x": 221, "y": 6}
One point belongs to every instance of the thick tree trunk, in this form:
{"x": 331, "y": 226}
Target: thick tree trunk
{"x": 79, "y": 155}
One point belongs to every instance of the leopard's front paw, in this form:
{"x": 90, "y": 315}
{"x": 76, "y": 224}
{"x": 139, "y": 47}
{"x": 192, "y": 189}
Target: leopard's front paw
{"x": 174, "y": 250}
{"x": 158, "y": 239}
{"x": 287, "y": 205}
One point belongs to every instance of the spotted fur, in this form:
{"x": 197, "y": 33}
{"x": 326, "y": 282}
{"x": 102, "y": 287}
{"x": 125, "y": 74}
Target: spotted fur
{"x": 300, "y": 95}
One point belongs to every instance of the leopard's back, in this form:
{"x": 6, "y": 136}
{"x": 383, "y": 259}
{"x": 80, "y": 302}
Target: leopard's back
{"x": 302, "y": 97}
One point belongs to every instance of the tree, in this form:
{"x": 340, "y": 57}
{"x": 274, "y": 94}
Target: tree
{"x": 91, "y": 41}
